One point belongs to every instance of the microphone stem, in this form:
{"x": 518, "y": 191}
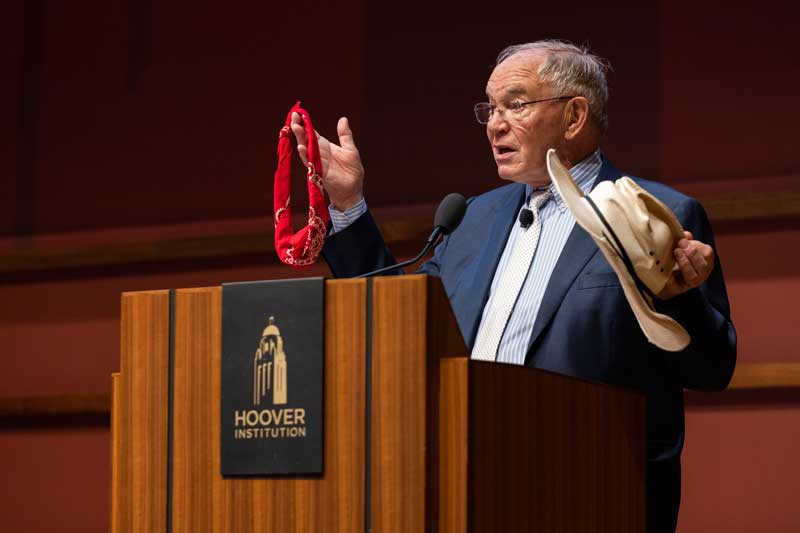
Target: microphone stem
{"x": 400, "y": 265}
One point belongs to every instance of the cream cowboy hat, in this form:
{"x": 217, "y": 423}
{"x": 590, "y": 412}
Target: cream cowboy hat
{"x": 637, "y": 234}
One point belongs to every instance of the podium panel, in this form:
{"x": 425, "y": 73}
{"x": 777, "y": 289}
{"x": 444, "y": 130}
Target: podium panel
{"x": 417, "y": 437}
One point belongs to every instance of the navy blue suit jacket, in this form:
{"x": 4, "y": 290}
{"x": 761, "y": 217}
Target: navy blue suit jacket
{"x": 585, "y": 327}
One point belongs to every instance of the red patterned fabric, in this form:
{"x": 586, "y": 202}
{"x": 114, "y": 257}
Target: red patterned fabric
{"x": 302, "y": 248}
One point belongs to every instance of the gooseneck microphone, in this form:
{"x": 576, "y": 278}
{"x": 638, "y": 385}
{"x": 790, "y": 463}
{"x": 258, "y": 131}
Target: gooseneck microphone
{"x": 448, "y": 216}
{"x": 525, "y": 218}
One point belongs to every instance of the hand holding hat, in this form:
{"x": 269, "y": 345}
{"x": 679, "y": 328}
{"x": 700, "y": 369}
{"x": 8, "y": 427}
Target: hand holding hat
{"x": 644, "y": 243}
{"x": 695, "y": 261}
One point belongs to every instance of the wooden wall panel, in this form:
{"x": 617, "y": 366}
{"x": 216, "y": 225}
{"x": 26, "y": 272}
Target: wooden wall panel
{"x": 425, "y": 73}
{"x": 717, "y": 115}
{"x": 12, "y": 49}
{"x": 54, "y": 479}
{"x": 740, "y": 468}
{"x": 142, "y": 98}
{"x": 148, "y": 100}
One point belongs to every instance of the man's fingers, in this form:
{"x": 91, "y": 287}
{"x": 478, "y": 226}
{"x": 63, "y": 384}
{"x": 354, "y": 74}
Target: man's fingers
{"x": 695, "y": 260}
{"x": 698, "y": 261}
{"x": 688, "y": 270}
{"x": 298, "y": 129}
{"x": 345, "y": 134}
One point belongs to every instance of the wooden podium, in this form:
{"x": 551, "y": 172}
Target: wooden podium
{"x": 417, "y": 436}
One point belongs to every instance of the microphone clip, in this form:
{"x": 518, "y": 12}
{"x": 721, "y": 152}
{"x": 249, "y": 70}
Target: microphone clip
{"x": 526, "y": 218}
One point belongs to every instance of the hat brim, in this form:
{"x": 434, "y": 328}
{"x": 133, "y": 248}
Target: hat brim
{"x": 660, "y": 329}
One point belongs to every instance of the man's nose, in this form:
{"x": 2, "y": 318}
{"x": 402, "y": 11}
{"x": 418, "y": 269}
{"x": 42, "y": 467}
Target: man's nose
{"x": 497, "y": 123}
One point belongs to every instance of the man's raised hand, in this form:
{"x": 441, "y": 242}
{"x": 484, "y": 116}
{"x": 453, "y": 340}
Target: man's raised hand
{"x": 342, "y": 171}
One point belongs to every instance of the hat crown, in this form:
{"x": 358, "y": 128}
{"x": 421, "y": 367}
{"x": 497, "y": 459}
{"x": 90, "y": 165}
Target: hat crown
{"x": 646, "y": 229}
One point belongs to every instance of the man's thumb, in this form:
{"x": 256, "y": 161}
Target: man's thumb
{"x": 345, "y": 134}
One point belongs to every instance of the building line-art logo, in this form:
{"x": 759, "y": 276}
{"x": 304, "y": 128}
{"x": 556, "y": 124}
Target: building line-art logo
{"x": 269, "y": 367}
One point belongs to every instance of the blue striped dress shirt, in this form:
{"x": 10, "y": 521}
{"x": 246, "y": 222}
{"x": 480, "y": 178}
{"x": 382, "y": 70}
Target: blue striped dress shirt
{"x": 557, "y": 223}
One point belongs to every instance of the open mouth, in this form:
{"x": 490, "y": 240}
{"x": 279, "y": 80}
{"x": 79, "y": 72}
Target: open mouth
{"x": 503, "y": 150}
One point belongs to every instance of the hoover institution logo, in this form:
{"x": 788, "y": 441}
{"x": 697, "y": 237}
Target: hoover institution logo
{"x": 270, "y": 387}
{"x": 271, "y": 412}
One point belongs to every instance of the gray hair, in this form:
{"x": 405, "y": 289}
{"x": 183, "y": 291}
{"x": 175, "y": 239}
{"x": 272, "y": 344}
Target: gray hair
{"x": 571, "y": 70}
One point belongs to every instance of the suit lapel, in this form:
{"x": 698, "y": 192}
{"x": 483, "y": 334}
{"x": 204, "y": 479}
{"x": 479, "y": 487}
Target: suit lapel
{"x": 504, "y": 217}
{"x": 577, "y": 251}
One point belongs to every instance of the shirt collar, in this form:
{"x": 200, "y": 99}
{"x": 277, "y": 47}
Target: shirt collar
{"x": 584, "y": 173}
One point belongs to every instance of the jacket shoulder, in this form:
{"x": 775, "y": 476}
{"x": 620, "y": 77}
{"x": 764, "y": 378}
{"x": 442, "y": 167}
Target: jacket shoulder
{"x": 671, "y": 197}
{"x": 496, "y": 197}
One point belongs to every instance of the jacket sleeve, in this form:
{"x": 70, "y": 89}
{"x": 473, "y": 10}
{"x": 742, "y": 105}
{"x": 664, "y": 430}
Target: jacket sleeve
{"x": 709, "y": 360}
{"x": 357, "y": 249}
{"x": 360, "y": 248}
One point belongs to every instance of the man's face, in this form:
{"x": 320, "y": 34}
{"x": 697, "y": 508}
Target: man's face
{"x": 520, "y": 141}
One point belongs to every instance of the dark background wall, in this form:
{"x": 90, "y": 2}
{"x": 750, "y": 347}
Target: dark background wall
{"x": 136, "y": 114}
{"x": 141, "y": 120}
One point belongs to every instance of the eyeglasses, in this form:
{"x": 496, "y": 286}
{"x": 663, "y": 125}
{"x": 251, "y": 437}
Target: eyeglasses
{"x": 485, "y": 110}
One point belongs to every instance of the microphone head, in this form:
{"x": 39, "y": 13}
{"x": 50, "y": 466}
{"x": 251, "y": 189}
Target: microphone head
{"x": 450, "y": 212}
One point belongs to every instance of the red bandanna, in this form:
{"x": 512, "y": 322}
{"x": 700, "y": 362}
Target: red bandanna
{"x": 302, "y": 248}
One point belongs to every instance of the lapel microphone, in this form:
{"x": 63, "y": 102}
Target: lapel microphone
{"x": 526, "y": 218}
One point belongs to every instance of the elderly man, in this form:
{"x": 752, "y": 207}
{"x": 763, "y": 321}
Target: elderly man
{"x": 568, "y": 313}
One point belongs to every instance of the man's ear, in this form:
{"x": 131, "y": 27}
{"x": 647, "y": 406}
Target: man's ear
{"x": 576, "y": 117}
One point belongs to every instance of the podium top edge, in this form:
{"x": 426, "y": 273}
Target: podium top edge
{"x": 155, "y": 292}
{"x": 338, "y": 281}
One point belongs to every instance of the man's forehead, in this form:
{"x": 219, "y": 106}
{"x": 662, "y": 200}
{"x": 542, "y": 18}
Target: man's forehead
{"x": 510, "y": 90}
{"x": 516, "y": 76}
